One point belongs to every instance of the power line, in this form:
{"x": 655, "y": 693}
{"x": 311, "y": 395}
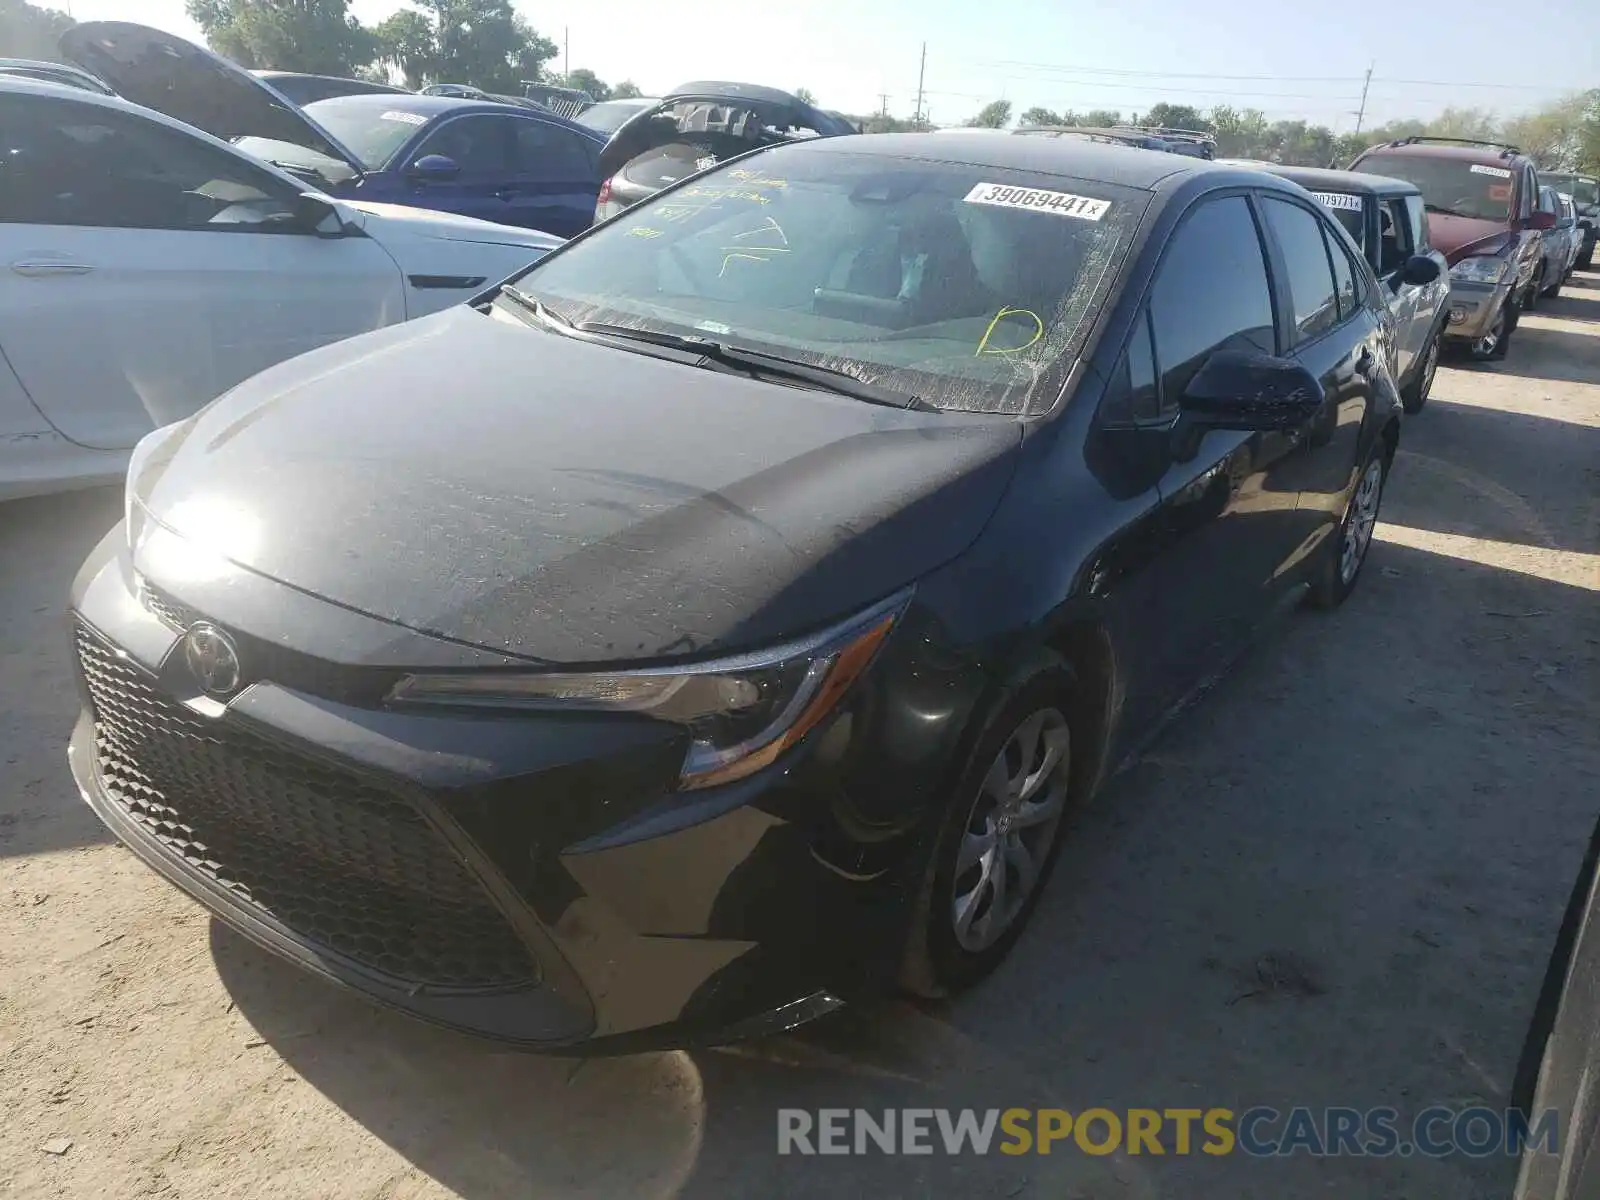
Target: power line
{"x": 1087, "y": 70}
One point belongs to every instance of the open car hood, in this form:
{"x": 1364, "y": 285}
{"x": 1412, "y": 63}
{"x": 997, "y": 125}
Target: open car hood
{"x": 649, "y": 128}
{"x": 193, "y": 85}
{"x": 1461, "y": 237}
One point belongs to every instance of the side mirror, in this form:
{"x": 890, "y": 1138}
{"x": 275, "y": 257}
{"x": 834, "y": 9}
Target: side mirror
{"x": 434, "y": 168}
{"x": 316, "y": 214}
{"x": 1540, "y": 220}
{"x": 1247, "y": 390}
{"x": 1420, "y": 269}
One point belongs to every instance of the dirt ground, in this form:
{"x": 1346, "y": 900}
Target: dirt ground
{"x": 1335, "y": 881}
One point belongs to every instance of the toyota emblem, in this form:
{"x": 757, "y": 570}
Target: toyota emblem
{"x": 213, "y": 659}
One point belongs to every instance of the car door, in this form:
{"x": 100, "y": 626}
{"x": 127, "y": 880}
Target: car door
{"x": 144, "y": 270}
{"x": 554, "y": 182}
{"x": 1340, "y": 336}
{"x": 479, "y": 145}
{"x": 1397, "y": 242}
{"x": 1222, "y": 548}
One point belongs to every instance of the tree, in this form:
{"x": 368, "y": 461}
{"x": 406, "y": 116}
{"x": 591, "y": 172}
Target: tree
{"x": 805, "y": 96}
{"x": 1551, "y": 134}
{"x": 1043, "y": 116}
{"x": 319, "y": 36}
{"x": 626, "y": 90}
{"x": 406, "y": 43}
{"x": 480, "y": 42}
{"x": 1177, "y": 116}
{"x": 994, "y": 115}
{"x": 1100, "y": 118}
{"x": 27, "y": 31}
{"x": 586, "y": 80}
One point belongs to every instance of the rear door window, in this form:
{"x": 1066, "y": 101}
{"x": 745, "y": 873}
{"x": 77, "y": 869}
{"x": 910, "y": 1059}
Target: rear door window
{"x": 545, "y": 151}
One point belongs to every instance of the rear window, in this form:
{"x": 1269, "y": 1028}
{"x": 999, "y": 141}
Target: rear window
{"x": 607, "y": 117}
{"x": 970, "y": 286}
{"x": 1454, "y": 186}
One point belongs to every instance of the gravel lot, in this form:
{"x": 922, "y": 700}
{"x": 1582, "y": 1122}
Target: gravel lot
{"x": 1335, "y": 881}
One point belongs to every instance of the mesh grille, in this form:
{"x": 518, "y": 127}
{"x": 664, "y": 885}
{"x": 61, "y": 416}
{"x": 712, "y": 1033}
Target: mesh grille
{"x": 341, "y": 863}
{"x": 179, "y": 616}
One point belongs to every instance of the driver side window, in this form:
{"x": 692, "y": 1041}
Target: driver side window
{"x": 63, "y": 163}
{"x": 479, "y": 145}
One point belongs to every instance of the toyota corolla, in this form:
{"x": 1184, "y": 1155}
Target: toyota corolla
{"x": 718, "y": 622}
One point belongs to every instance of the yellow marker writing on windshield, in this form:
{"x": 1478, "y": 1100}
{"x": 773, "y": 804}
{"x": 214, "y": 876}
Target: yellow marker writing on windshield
{"x": 983, "y": 342}
{"x": 644, "y": 231}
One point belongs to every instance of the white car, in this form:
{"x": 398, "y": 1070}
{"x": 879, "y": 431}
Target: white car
{"x": 147, "y": 267}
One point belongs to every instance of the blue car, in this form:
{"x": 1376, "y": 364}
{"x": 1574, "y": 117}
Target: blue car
{"x": 478, "y": 158}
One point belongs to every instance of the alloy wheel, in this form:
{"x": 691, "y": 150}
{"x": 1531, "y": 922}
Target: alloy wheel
{"x": 1010, "y": 829}
{"x": 1360, "y": 520}
{"x": 1430, "y": 367}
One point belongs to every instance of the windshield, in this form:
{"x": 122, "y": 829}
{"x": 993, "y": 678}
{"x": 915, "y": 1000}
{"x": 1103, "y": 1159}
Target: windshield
{"x": 1585, "y": 192}
{"x": 1347, "y": 210}
{"x": 608, "y": 117}
{"x": 299, "y": 159}
{"x": 971, "y": 287}
{"x": 1451, "y": 185}
{"x": 373, "y": 132}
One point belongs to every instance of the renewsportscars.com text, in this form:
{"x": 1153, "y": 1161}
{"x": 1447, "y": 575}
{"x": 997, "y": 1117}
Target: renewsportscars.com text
{"x": 1259, "y": 1132}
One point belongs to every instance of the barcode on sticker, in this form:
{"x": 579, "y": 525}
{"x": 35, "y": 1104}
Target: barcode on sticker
{"x": 1338, "y": 200}
{"x": 1062, "y": 204}
{"x": 406, "y": 118}
{"x": 1497, "y": 172}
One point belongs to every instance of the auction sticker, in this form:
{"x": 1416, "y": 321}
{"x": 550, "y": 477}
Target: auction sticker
{"x": 1338, "y": 200}
{"x": 406, "y": 118}
{"x": 1497, "y": 172}
{"x": 1062, "y": 204}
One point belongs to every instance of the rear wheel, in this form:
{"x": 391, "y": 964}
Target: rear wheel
{"x": 1415, "y": 393}
{"x": 1347, "y": 552}
{"x": 997, "y": 843}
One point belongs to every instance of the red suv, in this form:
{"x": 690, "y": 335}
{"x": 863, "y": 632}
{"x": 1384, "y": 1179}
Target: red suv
{"x": 1482, "y": 205}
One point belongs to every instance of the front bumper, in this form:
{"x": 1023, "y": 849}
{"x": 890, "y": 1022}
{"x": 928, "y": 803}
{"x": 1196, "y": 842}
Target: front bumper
{"x": 1471, "y": 310}
{"x": 533, "y": 880}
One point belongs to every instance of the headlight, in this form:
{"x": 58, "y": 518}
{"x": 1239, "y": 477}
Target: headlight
{"x": 742, "y": 713}
{"x": 1482, "y": 268}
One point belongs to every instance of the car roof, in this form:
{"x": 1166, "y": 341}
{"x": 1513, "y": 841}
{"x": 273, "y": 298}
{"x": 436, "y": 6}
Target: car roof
{"x": 1488, "y": 153}
{"x": 1099, "y": 161}
{"x": 433, "y": 106}
{"x": 1326, "y": 179}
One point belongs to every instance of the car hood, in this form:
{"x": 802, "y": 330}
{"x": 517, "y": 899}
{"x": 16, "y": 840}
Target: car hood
{"x": 379, "y": 219}
{"x": 1459, "y": 237}
{"x": 470, "y": 477}
{"x": 193, "y": 85}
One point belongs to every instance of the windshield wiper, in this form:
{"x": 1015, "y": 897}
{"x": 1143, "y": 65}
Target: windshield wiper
{"x": 547, "y": 316}
{"x": 758, "y": 363}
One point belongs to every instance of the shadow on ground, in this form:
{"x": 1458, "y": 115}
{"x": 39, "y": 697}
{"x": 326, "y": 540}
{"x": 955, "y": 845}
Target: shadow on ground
{"x": 42, "y": 543}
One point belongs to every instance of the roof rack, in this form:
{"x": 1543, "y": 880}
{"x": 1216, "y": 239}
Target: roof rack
{"x": 1198, "y": 135}
{"x": 1506, "y": 148}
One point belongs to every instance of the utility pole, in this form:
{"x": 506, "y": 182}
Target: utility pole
{"x": 1362, "y": 113}
{"x": 566, "y": 54}
{"x": 921, "y": 73}
{"x": 884, "y": 111}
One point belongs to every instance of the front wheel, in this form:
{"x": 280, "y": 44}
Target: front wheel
{"x": 1347, "y": 552}
{"x": 1415, "y": 394}
{"x": 997, "y": 843}
{"x": 1490, "y": 346}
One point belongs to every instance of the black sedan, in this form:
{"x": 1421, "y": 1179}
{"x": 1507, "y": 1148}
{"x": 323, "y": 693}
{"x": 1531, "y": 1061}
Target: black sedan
{"x": 718, "y": 622}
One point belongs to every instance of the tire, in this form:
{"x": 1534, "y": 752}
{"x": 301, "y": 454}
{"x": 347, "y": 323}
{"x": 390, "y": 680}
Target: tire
{"x": 1491, "y": 347}
{"x": 1335, "y": 578}
{"x": 1530, "y": 300}
{"x": 1554, "y": 289}
{"x": 1415, "y": 394}
{"x": 944, "y": 953}
{"x": 1585, "y": 259}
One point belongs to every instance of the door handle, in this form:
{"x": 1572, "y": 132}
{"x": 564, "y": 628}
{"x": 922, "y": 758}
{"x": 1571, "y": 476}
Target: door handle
{"x": 41, "y": 268}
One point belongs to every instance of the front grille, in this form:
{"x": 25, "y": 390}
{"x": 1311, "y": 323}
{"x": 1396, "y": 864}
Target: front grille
{"x": 344, "y": 865}
{"x": 173, "y": 612}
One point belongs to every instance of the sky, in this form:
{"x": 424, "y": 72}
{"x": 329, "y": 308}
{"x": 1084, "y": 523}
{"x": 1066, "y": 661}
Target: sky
{"x": 1290, "y": 60}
